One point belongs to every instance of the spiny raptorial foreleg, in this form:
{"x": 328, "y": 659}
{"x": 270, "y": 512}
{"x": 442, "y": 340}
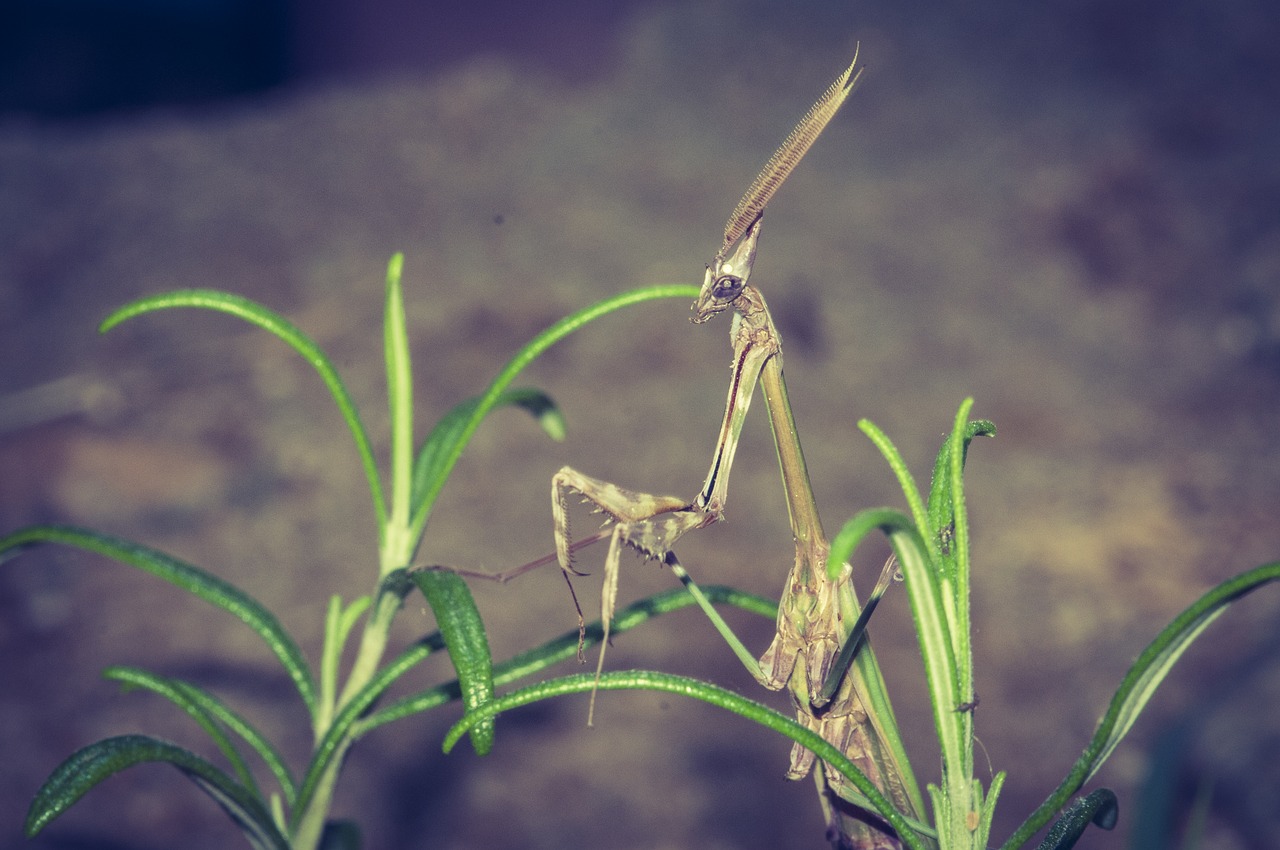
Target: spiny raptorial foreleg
{"x": 644, "y": 522}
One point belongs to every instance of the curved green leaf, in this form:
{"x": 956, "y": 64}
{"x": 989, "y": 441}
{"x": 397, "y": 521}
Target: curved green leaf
{"x": 905, "y": 480}
{"x": 541, "y": 407}
{"x": 1100, "y": 808}
{"x": 430, "y": 465}
{"x": 274, "y": 323}
{"x": 856, "y": 529}
{"x": 949, "y": 550}
{"x": 463, "y": 630}
{"x": 96, "y": 762}
{"x": 190, "y": 578}
{"x": 343, "y": 731}
{"x": 1154, "y": 663}
{"x": 449, "y": 450}
{"x": 706, "y": 692}
{"x": 188, "y": 698}
{"x": 206, "y": 708}
{"x": 950, "y": 519}
{"x": 564, "y": 647}
{"x": 351, "y": 724}
{"x": 927, "y": 609}
{"x": 1138, "y": 685}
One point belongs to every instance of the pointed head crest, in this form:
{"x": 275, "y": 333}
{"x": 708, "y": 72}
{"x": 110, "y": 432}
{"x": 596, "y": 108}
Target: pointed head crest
{"x": 727, "y": 273}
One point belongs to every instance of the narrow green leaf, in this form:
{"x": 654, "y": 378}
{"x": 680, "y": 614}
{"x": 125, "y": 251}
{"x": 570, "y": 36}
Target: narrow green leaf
{"x": 905, "y": 480}
{"x": 1154, "y": 663}
{"x": 274, "y": 323}
{"x": 1138, "y": 685}
{"x": 188, "y": 698}
{"x": 989, "y": 806}
{"x": 541, "y": 407}
{"x": 96, "y": 762}
{"x": 395, "y": 344}
{"x": 350, "y": 616}
{"x": 218, "y": 710}
{"x": 344, "y": 730}
{"x": 452, "y": 449}
{"x": 927, "y": 609}
{"x": 941, "y": 490}
{"x": 853, "y": 532}
{"x": 330, "y": 656}
{"x": 950, "y": 550}
{"x": 430, "y": 466}
{"x": 338, "y": 624}
{"x": 190, "y": 578}
{"x": 564, "y": 647}
{"x": 706, "y": 692}
{"x": 459, "y": 620}
{"x": 1100, "y": 808}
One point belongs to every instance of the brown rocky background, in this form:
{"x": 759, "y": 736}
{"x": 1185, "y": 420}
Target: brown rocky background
{"x": 1071, "y": 213}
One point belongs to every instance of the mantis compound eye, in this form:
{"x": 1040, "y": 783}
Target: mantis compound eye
{"x": 727, "y": 287}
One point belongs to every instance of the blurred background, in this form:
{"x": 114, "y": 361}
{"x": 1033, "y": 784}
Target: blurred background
{"x": 1070, "y": 211}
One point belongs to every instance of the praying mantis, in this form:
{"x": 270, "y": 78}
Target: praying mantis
{"x": 820, "y": 623}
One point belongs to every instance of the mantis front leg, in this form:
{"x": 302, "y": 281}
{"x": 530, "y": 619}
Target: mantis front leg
{"x": 650, "y": 524}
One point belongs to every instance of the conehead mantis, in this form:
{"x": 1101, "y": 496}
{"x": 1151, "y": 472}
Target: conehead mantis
{"x": 815, "y": 654}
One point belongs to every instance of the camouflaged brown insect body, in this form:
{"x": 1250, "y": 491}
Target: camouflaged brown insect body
{"x": 815, "y": 618}
{"x": 816, "y": 615}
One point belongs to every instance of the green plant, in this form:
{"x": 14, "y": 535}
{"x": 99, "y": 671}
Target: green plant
{"x": 930, "y": 540}
{"x": 340, "y": 711}
{"x": 931, "y": 543}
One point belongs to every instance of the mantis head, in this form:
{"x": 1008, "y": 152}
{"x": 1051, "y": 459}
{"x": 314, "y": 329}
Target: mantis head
{"x": 727, "y": 276}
